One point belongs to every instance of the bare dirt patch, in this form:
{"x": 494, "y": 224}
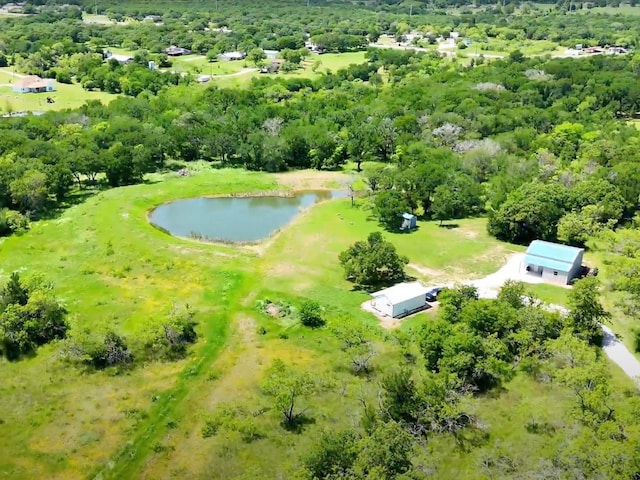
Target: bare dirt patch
{"x": 273, "y": 310}
{"x": 429, "y": 272}
{"x": 313, "y": 180}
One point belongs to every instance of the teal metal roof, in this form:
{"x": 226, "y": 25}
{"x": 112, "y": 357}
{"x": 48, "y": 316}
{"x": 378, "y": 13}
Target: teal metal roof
{"x": 551, "y": 255}
{"x": 547, "y": 263}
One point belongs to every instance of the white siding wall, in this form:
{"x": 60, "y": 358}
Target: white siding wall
{"x": 382, "y": 305}
{"x": 409, "y": 305}
{"x": 576, "y": 266}
{"x": 548, "y": 276}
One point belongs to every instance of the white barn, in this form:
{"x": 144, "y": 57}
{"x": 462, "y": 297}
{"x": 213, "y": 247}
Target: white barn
{"x": 553, "y": 262}
{"x": 400, "y": 300}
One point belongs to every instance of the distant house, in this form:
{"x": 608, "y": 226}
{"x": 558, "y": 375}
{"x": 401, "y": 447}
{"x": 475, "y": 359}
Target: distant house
{"x": 124, "y": 59}
{"x": 204, "y": 78}
{"x": 221, "y": 29}
{"x": 153, "y": 18}
{"x": 615, "y": 50}
{"x": 400, "y": 300}
{"x": 314, "y": 48}
{"x": 233, "y": 56}
{"x": 273, "y": 66}
{"x": 33, "y": 84}
{"x": 409, "y": 221}
{"x": 553, "y": 262}
{"x": 271, "y": 54}
{"x": 174, "y": 51}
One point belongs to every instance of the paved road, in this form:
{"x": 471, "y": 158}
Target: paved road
{"x": 489, "y": 286}
{"x": 617, "y": 352}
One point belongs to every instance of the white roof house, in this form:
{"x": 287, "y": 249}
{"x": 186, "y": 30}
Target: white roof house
{"x": 400, "y": 300}
{"x": 119, "y": 58}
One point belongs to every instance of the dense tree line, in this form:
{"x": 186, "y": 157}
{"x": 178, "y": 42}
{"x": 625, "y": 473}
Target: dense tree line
{"x": 515, "y": 138}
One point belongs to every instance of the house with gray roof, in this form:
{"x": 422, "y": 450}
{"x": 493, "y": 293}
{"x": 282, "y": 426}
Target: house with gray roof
{"x": 553, "y": 262}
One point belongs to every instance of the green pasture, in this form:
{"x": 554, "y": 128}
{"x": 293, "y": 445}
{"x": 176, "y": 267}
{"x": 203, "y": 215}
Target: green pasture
{"x": 624, "y": 10}
{"x": 504, "y": 47}
{"x": 199, "y": 65}
{"x": 114, "y": 271}
{"x": 65, "y": 96}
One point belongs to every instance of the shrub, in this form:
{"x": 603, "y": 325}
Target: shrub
{"x": 311, "y": 314}
{"x": 12, "y": 222}
{"x": 29, "y": 317}
{"x": 98, "y": 352}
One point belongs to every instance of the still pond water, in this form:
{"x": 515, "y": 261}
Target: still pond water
{"x": 234, "y": 219}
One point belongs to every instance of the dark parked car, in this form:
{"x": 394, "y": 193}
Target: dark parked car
{"x": 432, "y": 295}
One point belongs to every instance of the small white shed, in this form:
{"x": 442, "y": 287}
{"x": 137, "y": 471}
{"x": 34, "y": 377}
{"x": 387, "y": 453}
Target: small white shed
{"x": 400, "y": 300}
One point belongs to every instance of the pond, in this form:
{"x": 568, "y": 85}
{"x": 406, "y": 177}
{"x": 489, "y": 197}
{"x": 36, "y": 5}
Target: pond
{"x": 234, "y": 219}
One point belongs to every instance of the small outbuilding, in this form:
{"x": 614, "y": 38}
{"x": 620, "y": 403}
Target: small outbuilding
{"x": 400, "y": 300}
{"x": 553, "y": 262}
{"x": 233, "y": 56}
{"x": 409, "y": 221}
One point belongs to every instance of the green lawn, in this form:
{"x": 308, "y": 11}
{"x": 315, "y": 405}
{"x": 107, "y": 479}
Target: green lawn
{"x": 65, "y": 96}
{"x": 198, "y": 64}
{"x": 503, "y": 47}
{"x": 621, "y": 10}
{"x": 114, "y": 271}
{"x": 549, "y": 293}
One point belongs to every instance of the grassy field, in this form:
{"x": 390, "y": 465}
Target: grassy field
{"x": 113, "y": 270}
{"x": 621, "y": 10}
{"x": 198, "y": 64}
{"x": 503, "y": 47}
{"x": 65, "y": 96}
{"x": 328, "y": 62}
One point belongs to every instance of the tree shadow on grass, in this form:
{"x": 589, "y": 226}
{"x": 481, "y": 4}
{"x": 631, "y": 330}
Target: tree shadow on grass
{"x": 381, "y": 286}
{"x": 299, "y": 424}
{"x": 56, "y": 210}
{"x": 449, "y": 226}
{"x": 471, "y": 437}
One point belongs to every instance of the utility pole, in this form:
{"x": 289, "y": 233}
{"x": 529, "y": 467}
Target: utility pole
{"x": 410, "y": 10}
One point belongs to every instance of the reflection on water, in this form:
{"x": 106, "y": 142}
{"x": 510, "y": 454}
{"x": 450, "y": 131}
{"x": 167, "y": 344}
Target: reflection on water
{"x": 235, "y": 219}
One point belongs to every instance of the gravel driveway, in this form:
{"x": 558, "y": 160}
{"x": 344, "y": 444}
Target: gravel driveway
{"x": 489, "y": 286}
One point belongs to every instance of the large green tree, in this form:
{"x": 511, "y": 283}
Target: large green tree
{"x": 373, "y": 262}
{"x": 389, "y": 205}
